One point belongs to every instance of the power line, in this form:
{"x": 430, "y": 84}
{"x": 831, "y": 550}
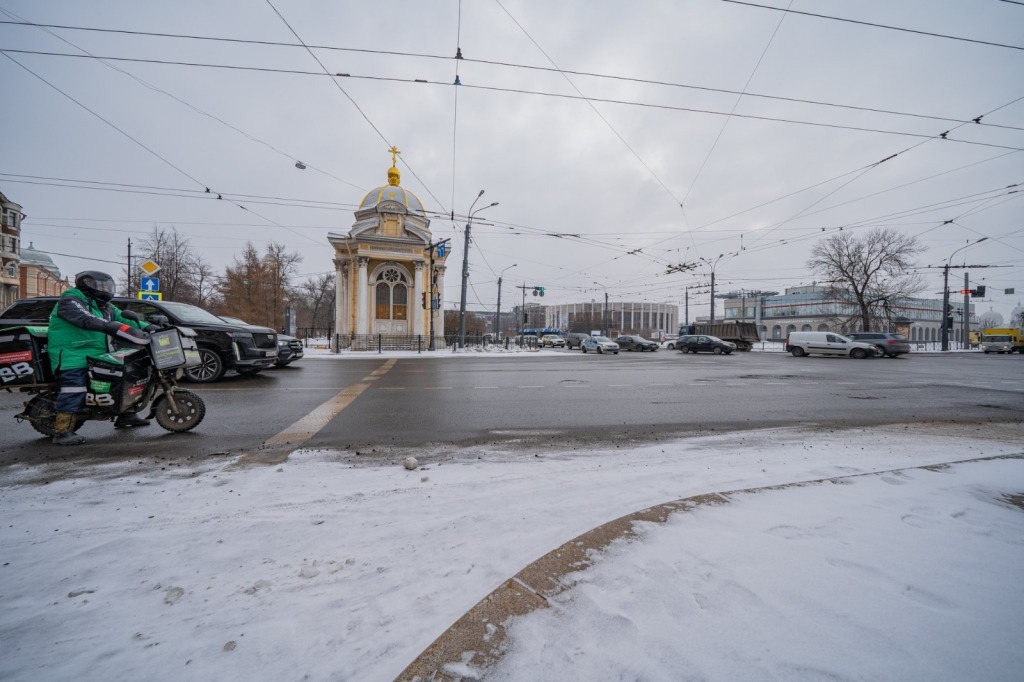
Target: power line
{"x": 523, "y": 91}
{"x": 352, "y": 100}
{"x": 191, "y": 106}
{"x": 874, "y": 25}
{"x": 487, "y": 62}
{"x": 590, "y": 103}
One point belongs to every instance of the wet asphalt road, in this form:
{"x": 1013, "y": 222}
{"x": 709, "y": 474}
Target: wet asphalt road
{"x": 554, "y": 400}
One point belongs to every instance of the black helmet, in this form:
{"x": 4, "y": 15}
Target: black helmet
{"x": 96, "y": 285}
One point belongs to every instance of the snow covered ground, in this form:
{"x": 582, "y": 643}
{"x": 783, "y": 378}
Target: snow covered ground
{"x": 318, "y": 570}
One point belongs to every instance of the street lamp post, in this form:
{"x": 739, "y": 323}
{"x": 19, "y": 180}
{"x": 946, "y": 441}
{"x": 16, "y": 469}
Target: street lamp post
{"x": 497, "y": 317}
{"x": 604, "y": 316}
{"x": 946, "y": 317}
{"x": 712, "y": 266}
{"x": 465, "y": 268}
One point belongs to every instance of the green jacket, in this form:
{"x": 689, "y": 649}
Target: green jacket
{"x": 78, "y": 328}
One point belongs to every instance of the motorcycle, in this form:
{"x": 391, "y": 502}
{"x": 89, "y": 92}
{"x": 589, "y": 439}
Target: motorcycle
{"x": 123, "y": 381}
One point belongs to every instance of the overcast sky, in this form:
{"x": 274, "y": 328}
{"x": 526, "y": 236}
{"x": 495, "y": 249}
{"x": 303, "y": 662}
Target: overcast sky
{"x": 651, "y": 172}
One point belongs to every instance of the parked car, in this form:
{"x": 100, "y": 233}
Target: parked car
{"x": 827, "y": 343}
{"x": 289, "y": 348}
{"x": 635, "y": 343}
{"x": 599, "y": 344}
{"x": 551, "y": 341}
{"x": 889, "y": 345}
{"x": 247, "y": 349}
{"x": 696, "y": 343}
{"x": 670, "y": 342}
{"x": 575, "y": 340}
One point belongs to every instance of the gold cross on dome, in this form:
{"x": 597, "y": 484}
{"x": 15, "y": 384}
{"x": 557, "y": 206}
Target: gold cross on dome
{"x": 394, "y": 155}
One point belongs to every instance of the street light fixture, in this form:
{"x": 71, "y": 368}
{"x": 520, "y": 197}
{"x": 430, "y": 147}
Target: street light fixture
{"x": 604, "y": 317}
{"x": 945, "y": 293}
{"x": 712, "y": 266}
{"x": 497, "y": 317}
{"x": 465, "y": 268}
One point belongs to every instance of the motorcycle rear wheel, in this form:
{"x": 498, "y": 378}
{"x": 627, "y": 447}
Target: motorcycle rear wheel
{"x": 41, "y": 413}
{"x": 191, "y": 410}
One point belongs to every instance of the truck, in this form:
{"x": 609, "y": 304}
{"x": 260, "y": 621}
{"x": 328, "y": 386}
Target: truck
{"x": 1002, "y": 340}
{"x": 743, "y": 334}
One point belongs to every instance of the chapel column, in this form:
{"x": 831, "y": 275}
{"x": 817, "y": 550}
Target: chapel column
{"x": 362, "y": 309}
{"x": 417, "y": 299}
{"x": 342, "y": 321}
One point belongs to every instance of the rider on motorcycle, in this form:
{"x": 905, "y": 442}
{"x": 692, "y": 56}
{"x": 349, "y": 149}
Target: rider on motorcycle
{"x": 79, "y": 326}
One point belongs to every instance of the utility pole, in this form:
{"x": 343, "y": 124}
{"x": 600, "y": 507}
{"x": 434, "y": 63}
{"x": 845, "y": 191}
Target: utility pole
{"x": 966, "y": 319}
{"x": 465, "y": 269}
{"x": 497, "y": 317}
{"x": 130, "y": 292}
{"x": 947, "y": 318}
{"x": 712, "y": 295}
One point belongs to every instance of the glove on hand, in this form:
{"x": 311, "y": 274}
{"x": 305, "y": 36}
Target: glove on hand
{"x": 128, "y": 333}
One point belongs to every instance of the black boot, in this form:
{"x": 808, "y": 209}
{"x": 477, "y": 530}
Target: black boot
{"x": 127, "y": 421}
{"x": 64, "y": 430}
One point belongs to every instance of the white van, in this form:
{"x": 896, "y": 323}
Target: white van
{"x": 827, "y": 343}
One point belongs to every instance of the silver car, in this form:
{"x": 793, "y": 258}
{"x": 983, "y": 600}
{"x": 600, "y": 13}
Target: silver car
{"x": 599, "y": 344}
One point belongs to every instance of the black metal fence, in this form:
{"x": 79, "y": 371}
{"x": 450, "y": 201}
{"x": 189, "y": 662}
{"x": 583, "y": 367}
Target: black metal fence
{"x": 422, "y": 343}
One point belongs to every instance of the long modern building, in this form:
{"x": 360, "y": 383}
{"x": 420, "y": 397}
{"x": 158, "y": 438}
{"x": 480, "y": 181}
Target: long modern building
{"x": 809, "y": 308}
{"x": 624, "y": 317}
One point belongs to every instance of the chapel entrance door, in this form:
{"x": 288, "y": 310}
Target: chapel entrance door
{"x": 391, "y": 303}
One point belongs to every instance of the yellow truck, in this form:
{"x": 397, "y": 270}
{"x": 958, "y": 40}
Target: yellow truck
{"x": 1002, "y": 340}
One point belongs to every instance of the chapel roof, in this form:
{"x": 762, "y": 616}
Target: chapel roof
{"x": 393, "y": 191}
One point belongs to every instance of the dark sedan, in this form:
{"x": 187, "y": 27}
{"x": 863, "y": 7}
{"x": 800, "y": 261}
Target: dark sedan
{"x": 635, "y": 343}
{"x": 289, "y": 348}
{"x": 708, "y": 344}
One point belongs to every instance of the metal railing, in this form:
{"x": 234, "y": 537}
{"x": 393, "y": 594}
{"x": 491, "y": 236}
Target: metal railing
{"x": 421, "y": 342}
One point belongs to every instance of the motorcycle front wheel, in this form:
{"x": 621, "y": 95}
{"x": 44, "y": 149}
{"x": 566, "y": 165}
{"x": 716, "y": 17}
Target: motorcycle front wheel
{"x": 191, "y": 410}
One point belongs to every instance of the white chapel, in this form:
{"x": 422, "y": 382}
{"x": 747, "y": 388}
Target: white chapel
{"x": 386, "y": 269}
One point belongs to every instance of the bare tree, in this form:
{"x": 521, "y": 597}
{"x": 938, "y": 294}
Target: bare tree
{"x": 257, "y": 288}
{"x": 184, "y": 275}
{"x": 314, "y": 301}
{"x": 871, "y": 274}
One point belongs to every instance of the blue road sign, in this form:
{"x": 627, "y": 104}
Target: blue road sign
{"x": 150, "y": 284}
{"x": 155, "y": 296}
{"x": 440, "y": 250}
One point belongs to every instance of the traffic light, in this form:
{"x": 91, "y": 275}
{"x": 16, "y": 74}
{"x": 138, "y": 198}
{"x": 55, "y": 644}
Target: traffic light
{"x": 979, "y": 292}
{"x": 423, "y": 302}
{"x": 538, "y": 291}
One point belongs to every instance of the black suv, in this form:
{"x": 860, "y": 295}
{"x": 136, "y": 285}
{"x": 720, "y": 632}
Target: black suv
{"x": 247, "y": 349}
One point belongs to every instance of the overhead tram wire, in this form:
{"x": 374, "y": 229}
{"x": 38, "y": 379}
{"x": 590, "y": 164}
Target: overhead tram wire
{"x": 874, "y": 25}
{"x": 538, "y": 93}
{"x": 191, "y": 106}
{"x": 863, "y": 171}
{"x": 352, "y": 100}
{"x": 592, "y": 107}
{"x": 176, "y": 192}
{"x": 455, "y": 105}
{"x": 145, "y": 147}
{"x": 488, "y": 62}
{"x": 725, "y": 123}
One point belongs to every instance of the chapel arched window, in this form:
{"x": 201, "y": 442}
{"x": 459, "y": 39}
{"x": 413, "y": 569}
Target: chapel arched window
{"x": 391, "y": 295}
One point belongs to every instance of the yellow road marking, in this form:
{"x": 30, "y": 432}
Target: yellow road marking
{"x": 312, "y": 423}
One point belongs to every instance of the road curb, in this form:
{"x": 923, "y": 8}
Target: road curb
{"x": 477, "y": 638}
